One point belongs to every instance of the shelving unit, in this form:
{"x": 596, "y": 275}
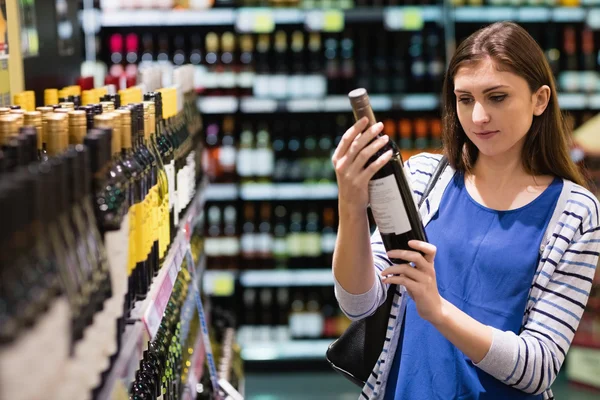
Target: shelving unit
{"x": 147, "y": 314}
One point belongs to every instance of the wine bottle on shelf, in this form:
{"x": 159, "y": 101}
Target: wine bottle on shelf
{"x": 280, "y": 229}
{"x": 246, "y": 75}
{"x": 248, "y": 240}
{"x": 390, "y": 196}
{"x": 264, "y": 238}
{"x": 230, "y": 241}
{"x": 263, "y": 155}
{"x": 212, "y": 242}
{"x": 328, "y": 236}
{"x": 227, "y": 151}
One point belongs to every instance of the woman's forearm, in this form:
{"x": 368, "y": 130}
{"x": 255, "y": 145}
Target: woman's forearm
{"x": 352, "y": 258}
{"x": 470, "y": 336}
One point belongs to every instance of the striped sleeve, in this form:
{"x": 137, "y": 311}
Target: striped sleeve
{"x": 531, "y": 361}
{"x": 359, "y": 306}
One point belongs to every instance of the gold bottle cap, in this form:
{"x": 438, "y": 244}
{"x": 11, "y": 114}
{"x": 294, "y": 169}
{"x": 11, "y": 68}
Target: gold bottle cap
{"x": 20, "y": 99}
{"x": 61, "y": 110}
{"x": 112, "y": 121}
{"x": 50, "y": 96}
{"x": 211, "y": 42}
{"x": 77, "y": 126}
{"x": 34, "y": 118}
{"x": 228, "y": 42}
{"x": 125, "y": 128}
{"x": 8, "y": 127}
{"x": 4, "y": 110}
{"x": 45, "y": 110}
{"x": 107, "y": 106}
{"x": 20, "y": 114}
{"x": 246, "y": 43}
{"x": 68, "y": 105}
{"x": 56, "y": 136}
{"x": 77, "y": 117}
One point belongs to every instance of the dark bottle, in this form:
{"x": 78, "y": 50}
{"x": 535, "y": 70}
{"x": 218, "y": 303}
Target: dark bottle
{"x": 247, "y": 65}
{"x": 227, "y": 151}
{"x": 435, "y": 60}
{"x": 418, "y": 68}
{"x": 162, "y": 198}
{"x": 280, "y": 229}
{"x": 135, "y": 173}
{"x": 380, "y": 79}
{"x": 295, "y": 240}
{"x": 248, "y": 238}
{"x": 296, "y": 87}
{"x": 390, "y": 196}
{"x": 264, "y": 238}
{"x": 212, "y": 241}
{"x": 230, "y": 241}
{"x": 30, "y": 136}
{"x": 347, "y": 69}
{"x": 328, "y": 236}
{"x": 278, "y": 86}
{"x": 34, "y": 119}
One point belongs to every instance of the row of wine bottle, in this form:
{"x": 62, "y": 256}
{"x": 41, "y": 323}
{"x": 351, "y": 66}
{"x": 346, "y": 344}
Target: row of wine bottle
{"x": 91, "y": 197}
{"x": 336, "y": 4}
{"x": 283, "y": 314}
{"x": 270, "y": 236}
{"x": 298, "y": 150}
{"x": 291, "y": 63}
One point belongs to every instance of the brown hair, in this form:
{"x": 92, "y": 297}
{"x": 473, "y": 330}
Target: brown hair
{"x": 546, "y": 149}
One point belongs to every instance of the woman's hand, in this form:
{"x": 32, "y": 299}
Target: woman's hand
{"x": 349, "y": 161}
{"x": 420, "y": 281}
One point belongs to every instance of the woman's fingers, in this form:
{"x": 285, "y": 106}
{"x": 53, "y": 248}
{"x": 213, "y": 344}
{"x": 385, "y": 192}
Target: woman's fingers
{"x": 362, "y": 141}
{"x": 410, "y": 256}
{"x": 427, "y": 249}
{"x": 348, "y": 139}
{"x": 402, "y": 270}
{"x": 376, "y": 165}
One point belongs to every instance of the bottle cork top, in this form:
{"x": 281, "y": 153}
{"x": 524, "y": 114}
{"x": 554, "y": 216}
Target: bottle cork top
{"x": 4, "y": 110}
{"x": 50, "y": 96}
{"x": 77, "y": 118}
{"x": 8, "y": 127}
{"x": 107, "y": 106}
{"x": 67, "y": 104}
{"x": 359, "y": 98}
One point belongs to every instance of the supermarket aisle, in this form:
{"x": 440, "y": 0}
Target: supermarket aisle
{"x": 328, "y": 385}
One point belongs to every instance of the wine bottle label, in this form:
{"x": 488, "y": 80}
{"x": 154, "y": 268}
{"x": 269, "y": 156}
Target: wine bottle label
{"x": 278, "y": 86}
{"x": 294, "y": 244}
{"x": 296, "y": 322}
{"x": 315, "y": 86}
{"x": 228, "y": 79}
{"x": 264, "y": 243}
{"x": 264, "y": 162}
{"x": 200, "y": 77}
{"x": 295, "y": 86}
{"x": 132, "y": 258}
{"x": 387, "y": 206}
{"x": 313, "y": 324}
{"x": 262, "y": 85}
{"x": 248, "y": 243}
{"x": 227, "y": 158}
{"x": 245, "y": 79}
{"x": 418, "y": 69}
{"x": 245, "y": 162}
{"x": 328, "y": 242}
{"x": 280, "y": 247}
{"x": 212, "y": 247}
{"x": 117, "y": 244}
{"x": 569, "y": 81}
{"x": 230, "y": 246}
{"x": 170, "y": 170}
{"x": 312, "y": 244}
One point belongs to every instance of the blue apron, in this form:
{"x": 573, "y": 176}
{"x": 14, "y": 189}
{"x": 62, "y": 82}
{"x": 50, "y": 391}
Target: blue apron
{"x": 485, "y": 264}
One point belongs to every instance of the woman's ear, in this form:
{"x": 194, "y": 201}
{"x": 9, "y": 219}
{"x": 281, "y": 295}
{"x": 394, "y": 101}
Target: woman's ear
{"x": 541, "y": 99}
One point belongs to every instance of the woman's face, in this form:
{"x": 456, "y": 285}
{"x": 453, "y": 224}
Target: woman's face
{"x": 495, "y": 108}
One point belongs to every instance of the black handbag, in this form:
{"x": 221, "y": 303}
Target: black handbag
{"x": 355, "y": 352}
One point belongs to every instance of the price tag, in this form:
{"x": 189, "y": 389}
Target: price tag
{"x": 255, "y": 20}
{"x": 223, "y": 285}
{"x": 413, "y": 19}
{"x": 325, "y": 21}
{"x": 403, "y": 18}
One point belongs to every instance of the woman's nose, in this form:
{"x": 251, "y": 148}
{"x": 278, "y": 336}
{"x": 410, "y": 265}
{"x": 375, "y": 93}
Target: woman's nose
{"x": 480, "y": 115}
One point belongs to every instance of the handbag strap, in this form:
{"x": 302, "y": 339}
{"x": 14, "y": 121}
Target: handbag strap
{"x": 434, "y": 178}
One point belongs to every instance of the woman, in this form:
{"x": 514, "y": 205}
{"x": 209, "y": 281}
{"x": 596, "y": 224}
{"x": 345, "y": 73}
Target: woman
{"x": 491, "y": 305}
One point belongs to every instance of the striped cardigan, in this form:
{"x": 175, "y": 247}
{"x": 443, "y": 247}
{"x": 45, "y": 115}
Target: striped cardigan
{"x": 531, "y": 360}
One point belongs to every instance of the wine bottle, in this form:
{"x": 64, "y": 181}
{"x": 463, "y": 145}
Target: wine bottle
{"x": 390, "y": 195}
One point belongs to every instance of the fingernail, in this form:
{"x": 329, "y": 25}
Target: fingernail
{"x": 384, "y": 138}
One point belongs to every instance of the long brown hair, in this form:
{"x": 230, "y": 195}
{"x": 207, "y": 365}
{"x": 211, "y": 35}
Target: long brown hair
{"x": 546, "y": 150}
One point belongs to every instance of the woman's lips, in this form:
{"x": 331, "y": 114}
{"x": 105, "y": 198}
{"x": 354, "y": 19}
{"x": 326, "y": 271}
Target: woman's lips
{"x": 486, "y": 134}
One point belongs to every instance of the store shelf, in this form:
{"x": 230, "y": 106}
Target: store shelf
{"x": 338, "y": 103}
{"x": 161, "y": 288}
{"x": 292, "y": 277}
{"x": 265, "y": 19}
{"x": 147, "y": 314}
{"x": 288, "y": 191}
{"x": 522, "y": 14}
{"x": 284, "y": 351}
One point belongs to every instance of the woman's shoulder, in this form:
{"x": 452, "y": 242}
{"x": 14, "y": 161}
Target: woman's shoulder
{"x": 582, "y": 204}
{"x": 423, "y": 163}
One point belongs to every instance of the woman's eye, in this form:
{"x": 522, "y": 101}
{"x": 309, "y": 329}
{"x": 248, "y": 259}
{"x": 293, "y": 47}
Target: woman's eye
{"x": 498, "y": 99}
{"x": 465, "y": 100}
